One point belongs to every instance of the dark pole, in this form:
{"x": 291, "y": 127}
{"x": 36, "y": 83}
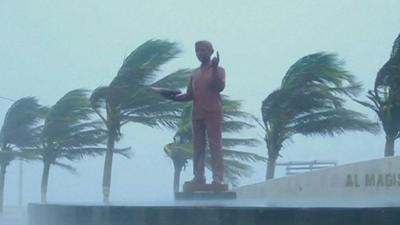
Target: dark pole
{"x": 20, "y": 183}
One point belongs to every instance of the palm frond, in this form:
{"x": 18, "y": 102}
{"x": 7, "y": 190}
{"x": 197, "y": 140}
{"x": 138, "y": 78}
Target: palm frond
{"x": 332, "y": 122}
{"x": 125, "y": 152}
{"x": 98, "y": 100}
{"x": 174, "y": 80}
{"x": 230, "y": 142}
{"x": 70, "y": 168}
{"x": 20, "y": 127}
{"x": 322, "y": 68}
{"x": 80, "y": 153}
{"x": 235, "y": 126}
{"x": 389, "y": 74}
{"x": 70, "y": 110}
{"x": 178, "y": 151}
{"x": 233, "y": 170}
{"x": 69, "y": 131}
{"x": 84, "y": 137}
{"x": 7, "y": 156}
{"x": 140, "y": 67}
{"x": 368, "y": 105}
{"x": 396, "y": 48}
{"x": 243, "y": 156}
{"x": 311, "y": 101}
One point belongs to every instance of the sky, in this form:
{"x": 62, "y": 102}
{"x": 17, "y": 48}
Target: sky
{"x": 48, "y": 48}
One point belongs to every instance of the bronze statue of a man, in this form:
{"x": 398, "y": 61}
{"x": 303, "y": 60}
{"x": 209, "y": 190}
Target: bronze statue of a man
{"x": 205, "y": 85}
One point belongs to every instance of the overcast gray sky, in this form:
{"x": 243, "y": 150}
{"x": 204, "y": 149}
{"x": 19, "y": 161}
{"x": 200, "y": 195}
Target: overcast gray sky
{"x": 48, "y": 48}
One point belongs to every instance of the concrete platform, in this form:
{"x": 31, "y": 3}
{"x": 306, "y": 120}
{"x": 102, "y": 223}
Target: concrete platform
{"x": 363, "y": 193}
{"x": 366, "y": 181}
{"x": 227, "y": 212}
{"x": 205, "y": 195}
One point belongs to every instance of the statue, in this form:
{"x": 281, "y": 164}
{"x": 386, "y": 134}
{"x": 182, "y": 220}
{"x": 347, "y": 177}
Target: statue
{"x": 204, "y": 87}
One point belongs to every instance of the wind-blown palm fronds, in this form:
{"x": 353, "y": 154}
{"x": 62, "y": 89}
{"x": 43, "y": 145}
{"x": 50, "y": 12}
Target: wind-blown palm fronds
{"x": 70, "y": 133}
{"x": 385, "y": 98}
{"x": 129, "y": 97}
{"x": 389, "y": 74}
{"x": 20, "y": 131}
{"x": 311, "y": 101}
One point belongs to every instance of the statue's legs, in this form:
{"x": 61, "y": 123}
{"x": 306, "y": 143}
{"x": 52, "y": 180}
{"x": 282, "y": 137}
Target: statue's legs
{"x": 214, "y": 130}
{"x": 199, "y": 149}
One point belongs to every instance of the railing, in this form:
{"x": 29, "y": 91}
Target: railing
{"x": 296, "y": 167}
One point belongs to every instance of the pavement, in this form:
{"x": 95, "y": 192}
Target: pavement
{"x": 13, "y": 215}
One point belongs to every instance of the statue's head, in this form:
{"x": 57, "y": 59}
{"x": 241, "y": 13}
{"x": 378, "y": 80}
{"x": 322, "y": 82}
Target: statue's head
{"x": 204, "y": 50}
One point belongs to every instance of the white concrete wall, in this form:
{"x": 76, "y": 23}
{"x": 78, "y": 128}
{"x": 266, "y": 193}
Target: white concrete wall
{"x": 374, "y": 179}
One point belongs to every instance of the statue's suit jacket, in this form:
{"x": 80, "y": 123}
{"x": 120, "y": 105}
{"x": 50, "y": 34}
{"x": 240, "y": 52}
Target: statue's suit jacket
{"x": 204, "y": 89}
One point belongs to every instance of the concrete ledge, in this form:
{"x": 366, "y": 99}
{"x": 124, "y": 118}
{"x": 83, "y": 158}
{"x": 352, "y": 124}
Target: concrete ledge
{"x": 212, "y": 215}
{"x": 205, "y": 195}
{"x": 373, "y": 179}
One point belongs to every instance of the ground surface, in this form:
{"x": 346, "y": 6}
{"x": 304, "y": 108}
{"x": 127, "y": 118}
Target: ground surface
{"x": 14, "y": 216}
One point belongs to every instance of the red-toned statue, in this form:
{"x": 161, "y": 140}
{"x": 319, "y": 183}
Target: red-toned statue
{"x": 205, "y": 85}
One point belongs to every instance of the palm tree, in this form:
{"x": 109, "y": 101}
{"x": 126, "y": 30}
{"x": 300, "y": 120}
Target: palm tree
{"x": 385, "y": 98}
{"x": 69, "y": 133}
{"x": 129, "y": 97}
{"x": 310, "y": 102}
{"x": 19, "y": 132}
{"x": 236, "y": 163}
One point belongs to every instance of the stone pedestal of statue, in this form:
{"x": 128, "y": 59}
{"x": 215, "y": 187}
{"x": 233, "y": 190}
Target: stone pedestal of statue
{"x": 192, "y": 187}
{"x": 199, "y": 191}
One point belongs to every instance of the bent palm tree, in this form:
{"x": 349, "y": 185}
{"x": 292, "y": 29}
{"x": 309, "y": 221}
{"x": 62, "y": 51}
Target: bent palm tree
{"x": 385, "y": 98}
{"x": 129, "y": 97}
{"x": 19, "y": 132}
{"x": 236, "y": 163}
{"x": 310, "y": 102}
{"x": 69, "y": 133}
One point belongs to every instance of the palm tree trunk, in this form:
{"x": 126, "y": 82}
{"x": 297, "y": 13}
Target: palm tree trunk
{"x": 270, "y": 168}
{"x": 177, "y": 176}
{"x": 45, "y": 181}
{"x": 2, "y": 181}
{"x": 389, "y": 146}
{"x": 108, "y": 168}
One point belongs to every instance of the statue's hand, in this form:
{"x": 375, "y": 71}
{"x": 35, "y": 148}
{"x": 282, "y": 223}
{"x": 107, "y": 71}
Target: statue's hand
{"x": 169, "y": 96}
{"x": 215, "y": 61}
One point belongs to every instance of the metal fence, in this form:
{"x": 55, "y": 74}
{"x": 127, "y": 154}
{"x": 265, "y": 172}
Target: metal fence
{"x": 296, "y": 167}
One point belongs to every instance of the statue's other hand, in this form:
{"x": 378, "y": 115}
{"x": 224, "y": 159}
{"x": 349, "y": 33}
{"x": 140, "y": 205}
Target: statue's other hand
{"x": 169, "y": 96}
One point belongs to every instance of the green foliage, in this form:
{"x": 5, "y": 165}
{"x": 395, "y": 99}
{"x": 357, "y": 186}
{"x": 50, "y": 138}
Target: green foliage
{"x": 389, "y": 74}
{"x": 21, "y": 123}
{"x": 69, "y": 131}
{"x": 311, "y": 101}
{"x": 21, "y": 129}
{"x": 385, "y": 98}
{"x": 387, "y": 107}
{"x": 19, "y": 133}
{"x": 129, "y": 97}
{"x": 396, "y": 48}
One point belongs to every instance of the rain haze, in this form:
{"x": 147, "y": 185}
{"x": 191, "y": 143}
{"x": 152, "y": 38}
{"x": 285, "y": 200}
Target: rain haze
{"x": 48, "y": 48}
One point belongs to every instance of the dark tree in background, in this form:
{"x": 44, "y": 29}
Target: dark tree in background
{"x": 385, "y": 98}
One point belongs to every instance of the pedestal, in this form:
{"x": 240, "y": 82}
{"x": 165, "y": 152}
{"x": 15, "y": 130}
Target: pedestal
{"x": 206, "y": 195}
{"x": 209, "y": 213}
{"x": 192, "y": 187}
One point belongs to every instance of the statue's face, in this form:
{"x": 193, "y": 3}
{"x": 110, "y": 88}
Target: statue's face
{"x": 203, "y": 52}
